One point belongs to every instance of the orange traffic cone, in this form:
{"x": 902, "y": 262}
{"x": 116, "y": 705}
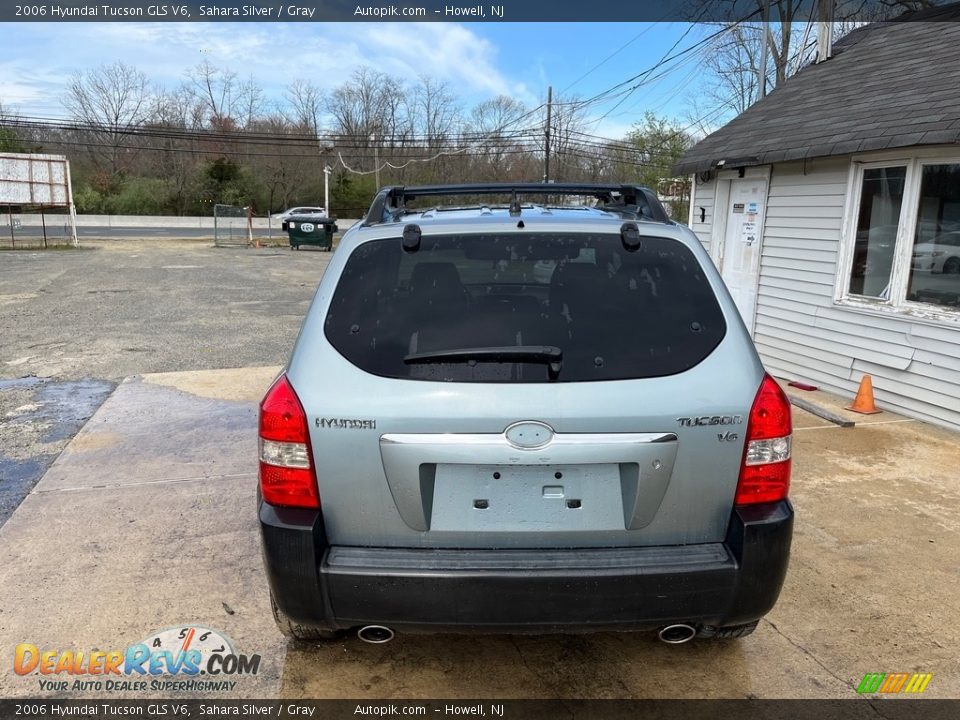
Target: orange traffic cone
{"x": 863, "y": 402}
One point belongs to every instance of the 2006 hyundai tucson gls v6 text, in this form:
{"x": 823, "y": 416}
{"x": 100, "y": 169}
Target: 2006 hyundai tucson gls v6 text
{"x": 523, "y": 418}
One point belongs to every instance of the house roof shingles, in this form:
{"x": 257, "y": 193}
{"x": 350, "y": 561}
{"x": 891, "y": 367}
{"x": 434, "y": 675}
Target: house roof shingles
{"x": 888, "y": 85}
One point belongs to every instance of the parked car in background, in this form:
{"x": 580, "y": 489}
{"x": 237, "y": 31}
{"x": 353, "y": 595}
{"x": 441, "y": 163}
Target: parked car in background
{"x": 534, "y": 417}
{"x": 940, "y": 255}
{"x": 300, "y": 210}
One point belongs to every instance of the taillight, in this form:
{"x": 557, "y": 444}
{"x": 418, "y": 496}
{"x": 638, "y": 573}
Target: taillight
{"x": 286, "y": 469}
{"x": 765, "y": 471}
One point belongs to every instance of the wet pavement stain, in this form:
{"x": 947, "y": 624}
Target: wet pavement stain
{"x": 19, "y": 383}
{"x": 17, "y": 478}
{"x": 38, "y": 416}
{"x": 69, "y": 405}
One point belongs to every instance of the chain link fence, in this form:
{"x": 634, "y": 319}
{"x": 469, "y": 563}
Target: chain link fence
{"x": 231, "y": 227}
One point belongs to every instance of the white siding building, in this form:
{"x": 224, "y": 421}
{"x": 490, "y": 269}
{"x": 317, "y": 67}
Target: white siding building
{"x": 832, "y": 209}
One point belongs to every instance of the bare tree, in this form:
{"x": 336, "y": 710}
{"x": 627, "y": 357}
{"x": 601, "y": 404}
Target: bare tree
{"x": 492, "y": 116}
{"x": 434, "y": 118}
{"x": 567, "y": 128}
{"x": 291, "y": 168}
{"x": 491, "y": 125}
{"x": 397, "y": 121}
{"x": 176, "y": 158}
{"x": 217, "y": 91}
{"x": 735, "y": 55}
{"x": 251, "y": 102}
{"x": 179, "y": 108}
{"x": 306, "y": 103}
{"x": 111, "y": 98}
{"x": 357, "y": 107}
{"x": 434, "y": 111}
{"x": 734, "y": 61}
{"x": 367, "y": 112}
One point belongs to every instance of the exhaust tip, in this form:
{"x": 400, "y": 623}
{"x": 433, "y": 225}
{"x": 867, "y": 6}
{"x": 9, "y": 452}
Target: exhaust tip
{"x": 677, "y": 634}
{"x": 375, "y": 634}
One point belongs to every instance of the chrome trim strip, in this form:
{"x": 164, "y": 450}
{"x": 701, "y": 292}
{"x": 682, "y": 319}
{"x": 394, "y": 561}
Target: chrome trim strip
{"x": 498, "y": 440}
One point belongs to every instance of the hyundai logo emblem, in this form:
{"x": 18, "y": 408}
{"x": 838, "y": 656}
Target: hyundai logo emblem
{"x": 529, "y": 435}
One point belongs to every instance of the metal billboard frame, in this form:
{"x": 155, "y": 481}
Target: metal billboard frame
{"x": 36, "y": 172}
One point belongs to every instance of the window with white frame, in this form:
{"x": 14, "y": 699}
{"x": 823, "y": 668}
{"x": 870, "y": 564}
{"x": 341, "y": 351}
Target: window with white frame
{"x": 904, "y": 251}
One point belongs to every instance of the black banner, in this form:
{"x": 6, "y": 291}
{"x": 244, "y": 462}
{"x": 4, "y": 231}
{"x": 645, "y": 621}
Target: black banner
{"x": 862, "y": 708}
{"x": 464, "y": 10}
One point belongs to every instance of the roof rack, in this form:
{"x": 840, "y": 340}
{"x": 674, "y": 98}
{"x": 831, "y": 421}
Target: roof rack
{"x": 633, "y": 200}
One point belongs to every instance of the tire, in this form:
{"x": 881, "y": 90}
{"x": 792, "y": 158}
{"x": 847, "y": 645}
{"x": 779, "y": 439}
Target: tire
{"x": 301, "y": 632}
{"x": 731, "y": 632}
{"x": 951, "y": 266}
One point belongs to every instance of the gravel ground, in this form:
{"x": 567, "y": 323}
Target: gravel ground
{"x": 76, "y": 322}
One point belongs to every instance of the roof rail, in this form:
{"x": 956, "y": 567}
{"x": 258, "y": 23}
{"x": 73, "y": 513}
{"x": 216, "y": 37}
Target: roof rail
{"x": 631, "y": 199}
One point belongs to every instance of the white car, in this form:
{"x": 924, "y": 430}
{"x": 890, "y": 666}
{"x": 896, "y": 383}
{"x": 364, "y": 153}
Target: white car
{"x": 941, "y": 255}
{"x": 299, "y": 211}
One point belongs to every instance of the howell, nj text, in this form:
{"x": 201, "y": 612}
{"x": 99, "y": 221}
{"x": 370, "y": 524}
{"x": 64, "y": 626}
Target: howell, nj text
{"x": 472, "y": 11}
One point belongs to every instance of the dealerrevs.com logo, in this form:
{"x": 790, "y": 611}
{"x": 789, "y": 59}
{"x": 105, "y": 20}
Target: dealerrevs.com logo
{"x": 187, "y": 658}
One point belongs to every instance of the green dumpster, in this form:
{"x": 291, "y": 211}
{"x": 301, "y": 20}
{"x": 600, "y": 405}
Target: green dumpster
{"x": 316, "y": 230}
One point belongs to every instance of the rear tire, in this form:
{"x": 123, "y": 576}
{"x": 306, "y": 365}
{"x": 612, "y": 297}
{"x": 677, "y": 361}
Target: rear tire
{"x": 301, "y": 632}
{"x": 730, "y": 632}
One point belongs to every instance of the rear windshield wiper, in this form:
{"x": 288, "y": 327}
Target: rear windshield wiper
{"x": 550, "y": 355}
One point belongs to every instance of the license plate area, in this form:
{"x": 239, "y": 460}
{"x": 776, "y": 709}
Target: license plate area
{"x": 527, "y": 498}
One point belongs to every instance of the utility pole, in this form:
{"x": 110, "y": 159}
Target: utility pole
{"x": 376, "y": 159}
{"x": 326, "y": 190}
{"x": 322, "y": 152}
{"x": 762, "y": 79}
{"x": 546, "y": 135}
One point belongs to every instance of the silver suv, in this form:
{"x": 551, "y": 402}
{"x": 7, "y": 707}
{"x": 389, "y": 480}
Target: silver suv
{"x": 523, "y": 417}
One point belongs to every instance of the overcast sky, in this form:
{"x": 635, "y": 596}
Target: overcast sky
{"x": 480, "y": 60}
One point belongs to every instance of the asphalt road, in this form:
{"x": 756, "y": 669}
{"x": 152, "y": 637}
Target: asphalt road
{"x": 75, "y": 322}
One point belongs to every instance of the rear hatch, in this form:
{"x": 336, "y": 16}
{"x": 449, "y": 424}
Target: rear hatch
{"x": 551, "y": 389}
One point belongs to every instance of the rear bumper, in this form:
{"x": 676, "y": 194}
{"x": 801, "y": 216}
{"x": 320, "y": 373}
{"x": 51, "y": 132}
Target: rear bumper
{"x": 719, "y": 584}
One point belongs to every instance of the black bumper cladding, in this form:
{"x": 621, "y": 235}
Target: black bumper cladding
{"x": 716, "y": 584}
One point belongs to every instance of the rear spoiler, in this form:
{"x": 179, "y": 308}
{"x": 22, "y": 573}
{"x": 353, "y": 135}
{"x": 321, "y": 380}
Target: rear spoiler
{"x": 633, "y": 200}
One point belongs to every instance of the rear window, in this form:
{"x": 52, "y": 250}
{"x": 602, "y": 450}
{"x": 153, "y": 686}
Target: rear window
{"x": 486, "y": 308}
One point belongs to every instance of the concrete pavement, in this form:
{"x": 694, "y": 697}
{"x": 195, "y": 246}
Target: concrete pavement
{"x": 147, "y": 521}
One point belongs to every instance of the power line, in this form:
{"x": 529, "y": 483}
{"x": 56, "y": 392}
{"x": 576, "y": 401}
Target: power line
{"x": 610, "y": 56}
{"x": 581, "y": 151}
{"x": 620, "y": 91}
{"x": 253, "y": 138}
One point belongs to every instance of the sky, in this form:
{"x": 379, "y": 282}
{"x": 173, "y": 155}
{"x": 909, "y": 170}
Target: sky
{"x": 479, "y": 60}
